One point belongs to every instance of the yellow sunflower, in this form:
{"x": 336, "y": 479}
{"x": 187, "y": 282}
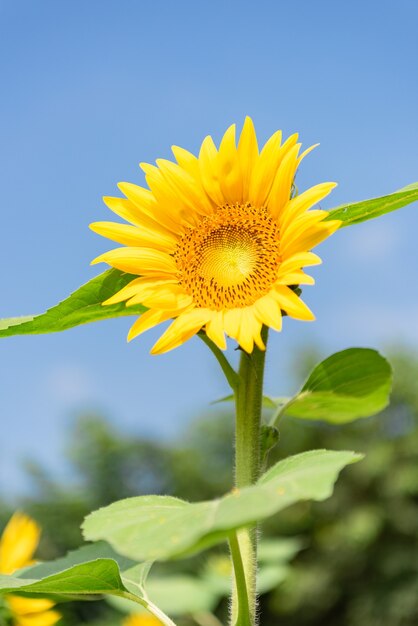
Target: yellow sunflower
{"x": 17, "y": 546}
{"x": 141, "y": 620}
{"x": 218, "y": 240}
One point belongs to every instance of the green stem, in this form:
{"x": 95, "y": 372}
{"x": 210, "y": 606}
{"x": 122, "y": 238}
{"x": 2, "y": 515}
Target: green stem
{"x": 248, "y": 401}
{"x": 230, "y": 374}
{"x": 247, "y": 386}
{"x": 242, "y": 617}
{"x": 150, "y": 606}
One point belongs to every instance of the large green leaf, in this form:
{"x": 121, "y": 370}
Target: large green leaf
{"x": 90, "y": 578}
{"x": 162, "y": 527}
{"x": 88, "y": 552}
{"x": 348, "y": 385}
{"x": 89, "y": 571}
{"x": 357, "y": 212}
{"x": 81, "y": 307}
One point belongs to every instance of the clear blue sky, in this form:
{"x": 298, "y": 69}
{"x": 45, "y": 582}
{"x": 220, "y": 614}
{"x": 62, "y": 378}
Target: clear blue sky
{"x": 90, "y": 89}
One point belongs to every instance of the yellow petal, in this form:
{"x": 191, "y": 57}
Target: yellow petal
{"x": 139, "y": 196}
{"x": 209, "y": 171}
{"x": 312, "y": 237}
{"x": 181, "y": 330}
{"x": 134, "y": 236}
{"x": 292, "y": 304}
{"x": 124, "y": 208}
{"x": 18, "y": 543}
{"x": 249, "y": 329}
{"x": 297, "y": 277}
{"x": 135, "y": 214}
{"x": 258, "y": 340}
{"x": 264, "y": 170}
{"x": 148, "y": 320}
{"x": 268, "y": 312}
{"x": 230, "y": 176}
{"x": 304, "y": 201}
{"x": 141, "y": 287}
{"x": 139, "y": 261}
{"x": 306, "y": 152}
{"x": 267, "y": 166}
{"x": 282, "y": 186}
{"x": 300, "y": 226}
{"x": 187, "y": 161}
{"x": 184, "y": 186}
{"x": 151, "y": 212}
{"x": 39, "y": 619}
{"x": 297, "y": 261}
{"x": 25, "y": 606}
{"x": 215, "y": 331}
{"x": 247, "y": 154}
{"x": 171, "y": 206}
{"x": 242, "y": 325}
{"x": 168, "y": 297}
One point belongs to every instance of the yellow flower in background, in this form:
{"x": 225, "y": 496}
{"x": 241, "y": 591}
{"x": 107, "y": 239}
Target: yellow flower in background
{"x": 141, "y": 620}
{"x": 217, "y": 240}
{"x": 18, "y": 543}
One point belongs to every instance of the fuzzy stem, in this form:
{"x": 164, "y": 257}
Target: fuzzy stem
{"x": 243, "y": 617}
{"x": 247, "y": 386}
{"x": 248, "y": 401}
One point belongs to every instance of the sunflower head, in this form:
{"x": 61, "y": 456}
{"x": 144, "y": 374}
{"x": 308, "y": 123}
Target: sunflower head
{"x": 218, "y": 242}
{"x": 18, "y": 543}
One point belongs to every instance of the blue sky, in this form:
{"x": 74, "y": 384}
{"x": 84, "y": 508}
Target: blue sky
{"x": 90, "y": 89}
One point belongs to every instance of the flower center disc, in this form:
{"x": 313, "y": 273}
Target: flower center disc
{"x": 231, "y": 258}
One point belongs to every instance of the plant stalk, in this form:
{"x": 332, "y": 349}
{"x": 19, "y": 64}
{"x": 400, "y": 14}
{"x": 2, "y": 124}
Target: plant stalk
{"x": 150, "y": 606}
{"x": 248, "y": 402}
{"x": 247, "y": 385}
{"x": 243, "y": 617}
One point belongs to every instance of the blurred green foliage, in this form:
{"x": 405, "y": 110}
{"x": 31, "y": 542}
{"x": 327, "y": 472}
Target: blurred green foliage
{"x": 359, "y": 566}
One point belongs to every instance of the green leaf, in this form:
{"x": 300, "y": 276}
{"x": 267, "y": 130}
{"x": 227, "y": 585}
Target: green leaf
{"x": 348, "y": 385}
{"x": 161, "y": 527}
{"x": 357, "y": 212}
{"x": 89, "y": 571}
{"x": 89, "y": 552}
{"x": 178, "y": 594}
{"x": 91, "y": 578}
{"x": 81, "y": 307}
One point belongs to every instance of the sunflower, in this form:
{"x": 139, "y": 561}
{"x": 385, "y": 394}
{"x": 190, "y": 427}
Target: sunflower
{"x": 17, "y": 545}
{"x": 139, "y": 619}
{"x": 218, "y": 241}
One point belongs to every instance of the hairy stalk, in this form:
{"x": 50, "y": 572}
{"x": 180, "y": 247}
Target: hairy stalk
{"x": 248, "y": 402}
{"x": 243, "y": 617}
{"x": 247, "y": 386}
